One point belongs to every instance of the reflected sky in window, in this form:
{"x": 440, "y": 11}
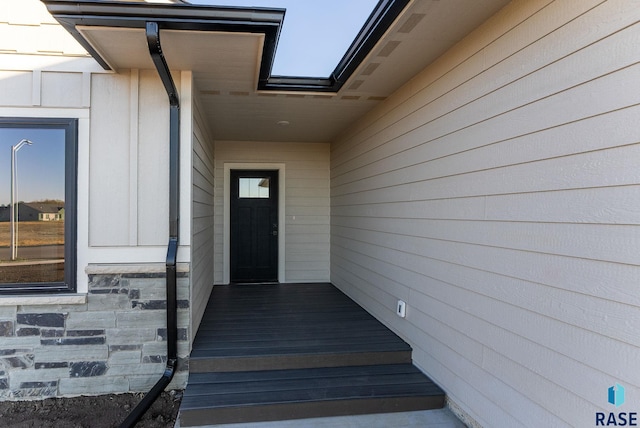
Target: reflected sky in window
{"x": 40, "y": 167}
{"x": 315, "y": 35}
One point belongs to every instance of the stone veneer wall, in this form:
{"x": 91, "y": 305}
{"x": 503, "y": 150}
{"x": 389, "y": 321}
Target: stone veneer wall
{"x": 113, "y": 343}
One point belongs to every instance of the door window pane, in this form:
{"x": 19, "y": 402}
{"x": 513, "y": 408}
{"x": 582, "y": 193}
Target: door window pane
{"x": 254, "y": 187}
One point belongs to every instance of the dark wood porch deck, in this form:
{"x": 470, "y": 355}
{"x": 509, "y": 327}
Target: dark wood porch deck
{"x": 275, "y": 352}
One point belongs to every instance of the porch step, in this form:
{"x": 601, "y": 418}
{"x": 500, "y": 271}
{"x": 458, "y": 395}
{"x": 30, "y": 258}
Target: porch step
{"x": 239, "y": 397}
{"x": 279, "y": 352}
{"x": 297, "y": 350}
{"x": 296, "y": 361}
{"x": 274, "y": 327}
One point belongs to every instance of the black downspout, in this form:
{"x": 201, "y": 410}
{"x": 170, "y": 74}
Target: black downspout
{"x": 153, "y": 40}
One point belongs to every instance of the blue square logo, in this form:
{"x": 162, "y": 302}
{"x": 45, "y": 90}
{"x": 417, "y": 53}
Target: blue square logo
{"x": 616, "y": 395}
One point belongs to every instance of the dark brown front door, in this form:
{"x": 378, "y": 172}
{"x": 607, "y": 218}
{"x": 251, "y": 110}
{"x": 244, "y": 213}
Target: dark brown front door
{"x": 254, "y": 226}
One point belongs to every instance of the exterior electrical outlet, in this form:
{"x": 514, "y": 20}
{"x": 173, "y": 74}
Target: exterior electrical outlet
{"x": 401, "y": 309}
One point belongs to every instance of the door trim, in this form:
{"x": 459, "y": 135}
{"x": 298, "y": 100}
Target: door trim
{"x": 280, "y": 167}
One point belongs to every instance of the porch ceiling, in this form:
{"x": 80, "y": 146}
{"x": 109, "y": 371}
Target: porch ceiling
{"x": 227, "y": 68}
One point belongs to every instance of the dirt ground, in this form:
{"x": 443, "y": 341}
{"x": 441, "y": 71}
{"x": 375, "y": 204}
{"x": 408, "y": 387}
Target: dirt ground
{"x": 51, "y": 272}
{"x": 41, "y": 236}
{"x": 34, "y": 233}
{"x": 104, "y": 411}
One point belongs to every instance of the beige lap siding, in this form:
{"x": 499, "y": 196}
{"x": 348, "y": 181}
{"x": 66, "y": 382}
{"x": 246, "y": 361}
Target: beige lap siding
{"x": 498, "y": 194}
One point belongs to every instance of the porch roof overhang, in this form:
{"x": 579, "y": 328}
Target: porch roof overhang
{"x": 111, "y": 33}
{"x": 231, "y": 51}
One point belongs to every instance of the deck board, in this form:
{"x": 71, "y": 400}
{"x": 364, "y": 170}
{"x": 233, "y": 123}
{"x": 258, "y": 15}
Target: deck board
{"x": 258, "y": 320}
{"x": 288, "y": 351}
{"x": 268, "y": 375}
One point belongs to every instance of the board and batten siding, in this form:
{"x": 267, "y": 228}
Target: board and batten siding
{"x": 202, "y": 241}
{"x": 129, "y": 178}
{"x": 129, "y": 167}
{"x": 498, "y": 194}
{"x": 115, "y": 324}
{"x": 45, "y": 73}
{"x": 306, "y": 203}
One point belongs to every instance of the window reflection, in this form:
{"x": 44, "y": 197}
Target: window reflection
{"x": 32, "y": 205}
{"x": 254, "y": 187}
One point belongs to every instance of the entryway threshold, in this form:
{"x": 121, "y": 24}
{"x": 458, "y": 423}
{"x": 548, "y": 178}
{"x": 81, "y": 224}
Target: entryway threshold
{"x": 255, "y": 283}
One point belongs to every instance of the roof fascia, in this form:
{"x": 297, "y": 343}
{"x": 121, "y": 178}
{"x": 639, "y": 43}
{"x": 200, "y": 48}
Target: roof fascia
{"x": 268, "y": 21}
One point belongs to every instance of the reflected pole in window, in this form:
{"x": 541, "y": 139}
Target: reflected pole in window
{"x": 14, "y": 195}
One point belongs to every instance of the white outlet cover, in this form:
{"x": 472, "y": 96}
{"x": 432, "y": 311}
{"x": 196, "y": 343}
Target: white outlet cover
{"x": 401, "y": 309}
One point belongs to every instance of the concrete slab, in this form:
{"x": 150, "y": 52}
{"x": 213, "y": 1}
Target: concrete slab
{"x": 440, "y": 418}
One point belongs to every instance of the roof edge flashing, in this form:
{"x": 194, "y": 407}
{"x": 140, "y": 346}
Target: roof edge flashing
{"x": 157, "y": 11}
{"x": 380, "y": 20}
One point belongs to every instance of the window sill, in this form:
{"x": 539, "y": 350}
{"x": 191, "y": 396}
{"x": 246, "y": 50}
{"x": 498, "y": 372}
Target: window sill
{"x": 54, "y": 299}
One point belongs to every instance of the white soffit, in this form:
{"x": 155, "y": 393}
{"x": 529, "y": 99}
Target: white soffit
{"x": 420, "y": 35}
{"x": 232, "y": 59}
{"x": 226, "y": 67}
{"x": 229, "y": 58}
{"x": 121, "y": 48}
